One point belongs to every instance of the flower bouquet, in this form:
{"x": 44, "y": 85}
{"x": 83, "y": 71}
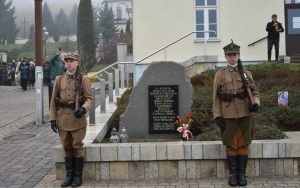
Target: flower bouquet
{"x": 184, "y": 125}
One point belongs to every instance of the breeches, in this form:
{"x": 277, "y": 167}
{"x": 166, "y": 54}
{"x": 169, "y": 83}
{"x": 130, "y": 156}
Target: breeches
{"x": 237, "y": 135}
{"x": 72, "y": 143}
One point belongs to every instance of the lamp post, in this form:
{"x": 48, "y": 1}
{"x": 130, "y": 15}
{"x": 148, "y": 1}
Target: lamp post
{"x": 39, "y": 106}
{"x": 45, "y": 36}
{"x": 127, "y": 9}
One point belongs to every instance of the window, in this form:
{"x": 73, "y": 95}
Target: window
{"x": 206, "y": 18}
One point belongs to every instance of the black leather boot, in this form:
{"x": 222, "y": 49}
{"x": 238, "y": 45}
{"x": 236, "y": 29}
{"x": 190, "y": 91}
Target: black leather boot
{"x": 78, "y": 167}
{"x": 242, "y": 169}
{"x": 69, "y": 168}
{"x": 232, "y": 167}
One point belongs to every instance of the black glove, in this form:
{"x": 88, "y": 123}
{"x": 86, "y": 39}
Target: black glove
{"x": 253, "y": 108}
{"x": 220, "y": 122}
{"x": 53, "y": 126}
{"x": 80, "y": 112}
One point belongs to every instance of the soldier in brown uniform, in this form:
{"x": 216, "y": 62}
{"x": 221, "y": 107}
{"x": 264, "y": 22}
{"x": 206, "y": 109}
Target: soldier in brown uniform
{"x": 233, "y": 114}
{"x": 68, "y": 122}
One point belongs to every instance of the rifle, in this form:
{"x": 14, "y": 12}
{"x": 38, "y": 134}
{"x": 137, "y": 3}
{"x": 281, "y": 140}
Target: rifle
{"x": 245, "y": 83}
{"x": 77, "y": 87}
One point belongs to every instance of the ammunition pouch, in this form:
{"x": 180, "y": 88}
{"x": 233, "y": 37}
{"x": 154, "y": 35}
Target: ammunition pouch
{"x": 63, "y": 104}
{"x": 223, "y": 96}
{"x": 82, "y": 101}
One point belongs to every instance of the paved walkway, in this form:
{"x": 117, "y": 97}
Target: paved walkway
{"x": 26, "y": 152}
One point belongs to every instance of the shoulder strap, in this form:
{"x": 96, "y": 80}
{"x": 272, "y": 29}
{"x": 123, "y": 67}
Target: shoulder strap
{"x": 60, "y": 79}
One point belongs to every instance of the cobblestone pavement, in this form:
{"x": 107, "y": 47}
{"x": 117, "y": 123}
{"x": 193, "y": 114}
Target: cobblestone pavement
{"x": 26, "y": 152}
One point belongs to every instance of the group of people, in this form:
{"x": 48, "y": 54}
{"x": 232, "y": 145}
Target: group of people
{"x": 20, "y": 73}
{"x": 7, "y": 75}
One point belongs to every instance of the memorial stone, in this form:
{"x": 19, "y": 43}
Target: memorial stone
{"x": 163, "y": 92}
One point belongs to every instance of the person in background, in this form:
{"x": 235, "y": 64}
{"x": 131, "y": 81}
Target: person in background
{"x": 46, "y": 70}
{"x": 18, "y": 72}
{"x": 233, "y": 114}
{"x": 32, "y": 76}
{"x": 69, "y": 122}
{"x": 10, "y": 72}
{"x": 4, "y": 75}
{"x": 274, "y": 28}
{"x": 24, "y": 70}
{"x": 56, "y": 66}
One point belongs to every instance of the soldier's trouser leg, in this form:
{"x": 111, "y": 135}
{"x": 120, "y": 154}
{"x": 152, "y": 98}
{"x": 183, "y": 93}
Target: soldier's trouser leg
{"x": 70, "y": 172}
{"x": 72, "y": 142}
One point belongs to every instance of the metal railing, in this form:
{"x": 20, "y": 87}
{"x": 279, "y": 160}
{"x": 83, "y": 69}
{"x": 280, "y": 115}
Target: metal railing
{"x": 205, "y": 41}
{"x": 118, "y": 78}
{"x": 253, "y": 43}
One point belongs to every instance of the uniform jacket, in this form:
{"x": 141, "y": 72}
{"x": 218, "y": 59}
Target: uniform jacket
{"x": 65, "y": 89}
{"x": 57, "y": 67}
{"x": 229, "y": 80}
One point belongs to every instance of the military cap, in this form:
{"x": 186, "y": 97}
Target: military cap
{"x": 71, "y": 55}
{"x": 231, "y": 48}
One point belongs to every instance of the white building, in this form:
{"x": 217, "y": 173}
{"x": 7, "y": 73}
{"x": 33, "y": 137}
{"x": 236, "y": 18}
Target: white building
{"x": 157, "y": 23}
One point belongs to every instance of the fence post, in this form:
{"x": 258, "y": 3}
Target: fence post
{"x": 102, "y": 96}
{"x": 117, "y": 82}
{"x": 122, "y": 76}
{"x": 127, "y": 75}
{"x": 92, "y": 118}
{"x": 110, "y": 88}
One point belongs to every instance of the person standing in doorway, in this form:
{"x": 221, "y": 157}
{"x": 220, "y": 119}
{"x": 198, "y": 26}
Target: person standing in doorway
{"x": 233, "y": 114}
{"x": 69, "y": 122}
{"x": 274, "y": 28}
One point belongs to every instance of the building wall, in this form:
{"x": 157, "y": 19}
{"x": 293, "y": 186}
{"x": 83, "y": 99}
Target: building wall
{"x": 157, "y": 23}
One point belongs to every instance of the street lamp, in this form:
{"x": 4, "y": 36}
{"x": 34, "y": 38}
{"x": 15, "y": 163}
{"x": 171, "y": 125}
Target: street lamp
{"x": 126, "y": 7}
{"x": 45, "y": 36}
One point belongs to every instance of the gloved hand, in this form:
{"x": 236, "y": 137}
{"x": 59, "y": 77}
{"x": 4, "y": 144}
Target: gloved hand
{"x": 220, "y": 122}
{"x": 253, "y": 108}
{"x": 80, "y": 112}
{"x": 53, "y": 126}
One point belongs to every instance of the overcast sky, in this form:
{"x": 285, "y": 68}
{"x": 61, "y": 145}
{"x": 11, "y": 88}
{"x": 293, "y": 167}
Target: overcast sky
{"x": 25, "y": 10}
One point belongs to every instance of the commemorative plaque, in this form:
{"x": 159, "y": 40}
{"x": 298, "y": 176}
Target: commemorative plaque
{"x": 163, "y": 108}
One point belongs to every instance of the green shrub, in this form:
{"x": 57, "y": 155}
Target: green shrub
{"x": 265, "y": 132}
{"x": 122, "y": 104}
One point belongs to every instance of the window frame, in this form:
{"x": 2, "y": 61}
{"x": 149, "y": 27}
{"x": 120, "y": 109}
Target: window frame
{"x": 206, "y": 8}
